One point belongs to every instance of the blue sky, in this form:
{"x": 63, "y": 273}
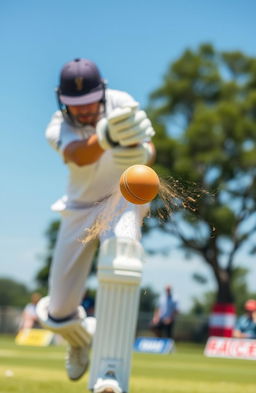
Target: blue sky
{"x": 132, "y": 43}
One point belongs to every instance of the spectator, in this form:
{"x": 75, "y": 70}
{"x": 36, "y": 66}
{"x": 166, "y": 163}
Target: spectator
{"x": 29, "y": 318}
{"x": 246, "y": 324}
{"x": 165, "y": 314}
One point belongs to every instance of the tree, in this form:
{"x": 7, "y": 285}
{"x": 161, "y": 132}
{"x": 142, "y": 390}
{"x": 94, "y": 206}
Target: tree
{"x": 240, "y": 290}
{"x": 205, "y": 117}
{"x": 148, "y": 298}
{"x": 13, "y": 293}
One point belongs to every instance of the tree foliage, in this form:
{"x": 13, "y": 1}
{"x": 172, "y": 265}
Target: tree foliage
{"x": 13, "y": 293}
{"x": 148, "y": 299}
{"x": 204, "y": 113}
{"x": 240, "y": 290}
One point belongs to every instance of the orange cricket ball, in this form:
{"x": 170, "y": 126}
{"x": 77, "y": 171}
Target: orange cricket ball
{"x": 139, "y": 184}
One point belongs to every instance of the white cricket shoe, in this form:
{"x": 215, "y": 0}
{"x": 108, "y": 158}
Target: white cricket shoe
{"x": 77, "y": 362}
{"x": 107, "y": 385}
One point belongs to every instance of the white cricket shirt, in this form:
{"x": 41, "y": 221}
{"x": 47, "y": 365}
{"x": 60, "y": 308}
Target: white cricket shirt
{"x": 90, "y": 183}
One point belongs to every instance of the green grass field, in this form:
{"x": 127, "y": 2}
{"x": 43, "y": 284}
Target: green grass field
{"x": 41, "y": 370}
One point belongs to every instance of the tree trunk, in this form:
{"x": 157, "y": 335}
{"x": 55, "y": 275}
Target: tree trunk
{"x": 222, "y": 319}
{"x": 224, "y": 291}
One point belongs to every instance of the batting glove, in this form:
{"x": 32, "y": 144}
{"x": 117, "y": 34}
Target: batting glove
{"x": 125, "y": 127}
{"x": 124, "y": 157}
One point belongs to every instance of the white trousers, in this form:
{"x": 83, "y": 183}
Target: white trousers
{"x": 72, "y": 258}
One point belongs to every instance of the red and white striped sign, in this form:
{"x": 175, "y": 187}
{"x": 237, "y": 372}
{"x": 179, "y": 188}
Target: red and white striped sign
{"x": 231, "y": 348}
{"x": 222, "y": 320}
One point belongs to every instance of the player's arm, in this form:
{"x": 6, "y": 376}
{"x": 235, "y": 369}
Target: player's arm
{"x": 84, "y": 152}
{"x": 88, "y": 151}
{"x": 238, "y": 334}
{"x": 240, "y": 328}
{"x": 156, "y": 316}
{"x": 152, "y": 155}
{"x": 61, "y": 137}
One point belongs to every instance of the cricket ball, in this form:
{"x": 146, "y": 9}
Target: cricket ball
{"x": 139, "y": 184}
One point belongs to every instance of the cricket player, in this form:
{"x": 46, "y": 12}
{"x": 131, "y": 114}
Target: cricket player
{"x": 98, "y": 132}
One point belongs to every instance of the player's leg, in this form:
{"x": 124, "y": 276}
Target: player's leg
{"x": 70, "y": 267}
{"x": 162, "y": 330}
{"x": 61, "y": 312}
{"x": 170, "y": 327}
{"x": 157, "y": 329}
{"x": 119, "y": 276}
{"x": 76, "y": 330}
